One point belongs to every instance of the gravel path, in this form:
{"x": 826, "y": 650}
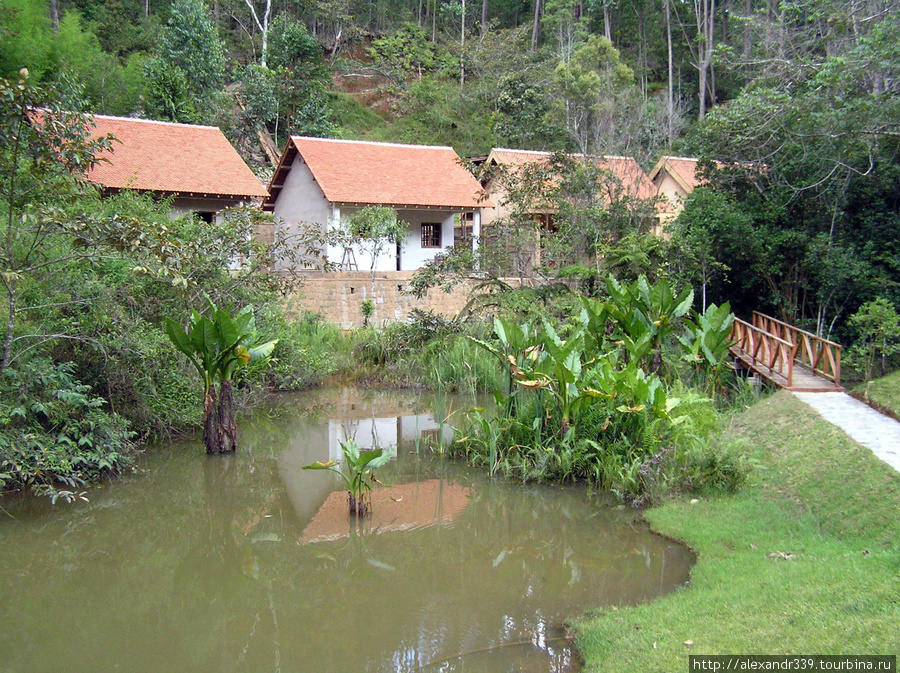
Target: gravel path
{"x": 868, "y": 427}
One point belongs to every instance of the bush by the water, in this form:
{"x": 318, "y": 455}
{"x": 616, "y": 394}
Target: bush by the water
{"x": 428, "y": 350}
{"x": 55, "y": 431}
{"x": 605, "y": 403}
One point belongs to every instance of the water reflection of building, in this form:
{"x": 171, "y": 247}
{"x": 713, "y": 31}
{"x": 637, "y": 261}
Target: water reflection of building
{"x": 385, "y": 432}
{"x": 399, "y": 507}
{"x": 372, "y": 422}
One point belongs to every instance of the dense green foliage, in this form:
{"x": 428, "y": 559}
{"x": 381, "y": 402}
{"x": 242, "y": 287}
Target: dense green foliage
{"x": 797, "y": 101}
{"x": 87, "y": 285}
{"x": 598, "y": 397}
{"x": 55, "y": 435}
{"x": 795, "y": 104}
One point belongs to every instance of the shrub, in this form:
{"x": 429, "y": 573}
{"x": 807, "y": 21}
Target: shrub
{"x": 54, "y": 433}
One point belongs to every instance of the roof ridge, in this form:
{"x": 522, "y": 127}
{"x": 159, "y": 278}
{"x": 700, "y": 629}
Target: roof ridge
{"x": 571, "y": 154}
{"x": 669, "y": 156}
{"x": 509, "y": 149}
{"x": 373, "y": 142}
{"x": 152, "y": 121}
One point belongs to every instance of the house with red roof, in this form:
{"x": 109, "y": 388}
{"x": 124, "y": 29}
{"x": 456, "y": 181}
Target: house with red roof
{"x": 625, "y": 179}
{"x": 194, "y": 165}
{"x": 675, "y": 178}
{"x": 322, "y": 181}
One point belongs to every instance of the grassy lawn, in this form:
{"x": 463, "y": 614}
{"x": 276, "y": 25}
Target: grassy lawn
{"x": 884, "y": 393}
{"x": 804, "y": 560}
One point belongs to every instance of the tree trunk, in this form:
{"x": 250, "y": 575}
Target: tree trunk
{"x": 534, "y": 30}
{"x": 212, "y": 431}
{"x": 54, "y": 15}
{"x": 10, "y": 325}
{"x": 704, "y": 13}
{"x": 484, "y": 17}
{"x": 358, "y": 508}
{"x": 670, "y": 99}
{"x": 748, "y": 12}
{"x": 227, "y": 422}
{"x": 462, "y": 47}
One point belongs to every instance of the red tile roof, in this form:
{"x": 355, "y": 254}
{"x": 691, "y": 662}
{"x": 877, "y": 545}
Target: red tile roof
{"x": 633, "y": 178}
{"x": 358, "y": 172}
{"x": 172, "y": 159}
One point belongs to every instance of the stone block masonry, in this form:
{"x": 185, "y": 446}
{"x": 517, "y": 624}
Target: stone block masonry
{"x": 339, "y": 296}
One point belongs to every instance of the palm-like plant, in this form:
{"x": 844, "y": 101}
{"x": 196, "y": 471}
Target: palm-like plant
{"x": 217, "y": 345}
{"x": 359, "y": 478}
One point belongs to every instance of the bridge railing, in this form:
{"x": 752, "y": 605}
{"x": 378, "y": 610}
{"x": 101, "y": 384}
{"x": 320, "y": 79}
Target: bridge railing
{"x": 765, "y": 348}
{"x": 821, "y": 355}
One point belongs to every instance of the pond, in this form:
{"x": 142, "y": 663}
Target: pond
{"x": 248, "y": 563}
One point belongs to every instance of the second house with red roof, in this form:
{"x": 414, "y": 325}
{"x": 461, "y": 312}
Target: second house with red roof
{"x": 321, "y": 182}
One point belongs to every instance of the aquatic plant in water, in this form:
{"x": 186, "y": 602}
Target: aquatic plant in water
{"x": 360, "y": 465}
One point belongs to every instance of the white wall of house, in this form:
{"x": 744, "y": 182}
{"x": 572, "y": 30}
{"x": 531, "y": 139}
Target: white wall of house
{"x": 412, "y": 255}
{"x": 301, "y": 200}
{"x": 182, "y": 205}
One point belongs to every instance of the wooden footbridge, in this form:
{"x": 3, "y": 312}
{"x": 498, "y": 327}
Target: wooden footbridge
{"x": 787, "y": 356}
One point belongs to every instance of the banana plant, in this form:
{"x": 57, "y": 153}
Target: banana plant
{"x": 359, "y": 477}
{"x": 707, "y": 342}
{"x": 217, "y": 345}
{"x": 645, "y": 315}
{"x": 561, "y": 363}
{"x": 517, "y": 351}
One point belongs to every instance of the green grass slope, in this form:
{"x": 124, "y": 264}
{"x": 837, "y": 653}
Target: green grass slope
{"x": 884, "y": 393}
{"x": 805, "y": 560}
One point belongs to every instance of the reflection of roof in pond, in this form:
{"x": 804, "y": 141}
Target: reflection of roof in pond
{"x": 394, "y": 508}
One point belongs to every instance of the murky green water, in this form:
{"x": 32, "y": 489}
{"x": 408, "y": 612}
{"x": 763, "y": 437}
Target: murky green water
{"x": 247, "y": 563}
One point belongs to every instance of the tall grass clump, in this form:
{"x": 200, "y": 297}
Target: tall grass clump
{"x": 605, "y": 404}
{"x": 428, "y": 350}
{"x": 308, "y": 351}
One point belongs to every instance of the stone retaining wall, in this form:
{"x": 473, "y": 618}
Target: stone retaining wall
{"x": 339, "y": 296}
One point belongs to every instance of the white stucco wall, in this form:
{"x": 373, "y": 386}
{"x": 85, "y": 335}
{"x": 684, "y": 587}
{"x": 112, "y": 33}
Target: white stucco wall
{"x": 412, "y": 255}
{"x": 181, "y": 205}
{"x": 301, "y": 200}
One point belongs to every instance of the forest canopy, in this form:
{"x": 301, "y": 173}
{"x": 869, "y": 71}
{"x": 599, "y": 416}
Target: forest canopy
{"x": 795, "y": 102}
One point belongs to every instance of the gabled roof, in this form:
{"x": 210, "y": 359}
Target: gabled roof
{"x": 628, "y": 171}
{"x": 387, "y": 174}
{"x": 682, "y": 169}
{"x": 167, "y": 158}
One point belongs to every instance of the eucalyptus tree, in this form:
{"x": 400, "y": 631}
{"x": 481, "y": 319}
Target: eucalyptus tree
{"x": 597, "y": 98}
{"x": 262, "y": 24}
